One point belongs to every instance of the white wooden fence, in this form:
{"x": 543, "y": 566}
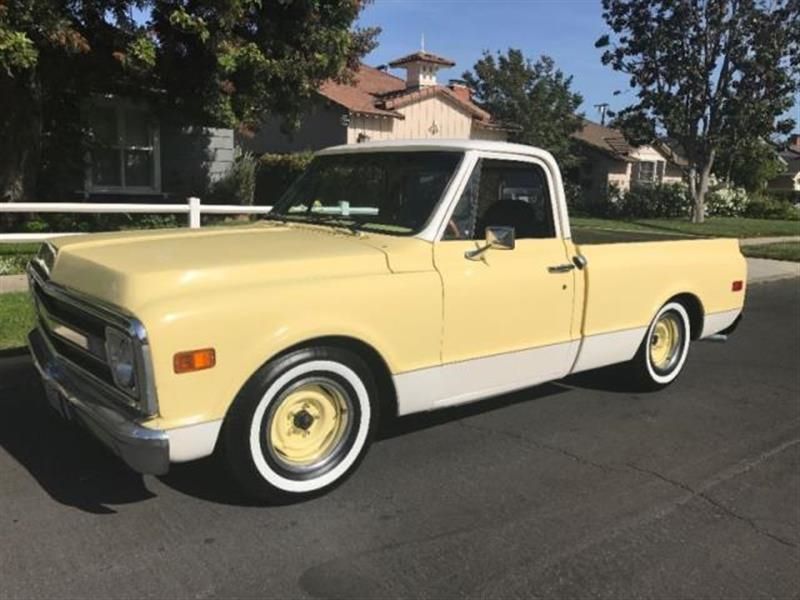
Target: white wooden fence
{"x": 193, "y": 209}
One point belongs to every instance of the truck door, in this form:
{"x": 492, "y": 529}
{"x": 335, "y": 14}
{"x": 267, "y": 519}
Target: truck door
{"x": 507, "y": 312}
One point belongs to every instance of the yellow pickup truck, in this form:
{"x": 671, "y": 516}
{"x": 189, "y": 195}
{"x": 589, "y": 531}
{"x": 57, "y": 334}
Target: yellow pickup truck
{"x": 392, "y": 277}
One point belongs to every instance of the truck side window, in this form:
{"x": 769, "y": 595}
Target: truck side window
{"x": 503, "y": 192}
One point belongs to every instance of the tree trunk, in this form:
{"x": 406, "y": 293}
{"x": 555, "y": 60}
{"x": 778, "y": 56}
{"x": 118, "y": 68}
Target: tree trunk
{"x": 699, "y": 180}
{"x": 20, "y": 137}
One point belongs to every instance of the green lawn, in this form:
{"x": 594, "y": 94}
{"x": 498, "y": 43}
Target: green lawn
{"x": 716, "y": 226}
{"x": 781, "y": 251}
{"x": 14, "y": 257}
{"x": 16, "y": 319}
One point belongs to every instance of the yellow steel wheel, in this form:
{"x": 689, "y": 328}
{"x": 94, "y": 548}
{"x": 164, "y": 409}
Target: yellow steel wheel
{"x": 666, "y": 341}
{"x": 308, "y": 425}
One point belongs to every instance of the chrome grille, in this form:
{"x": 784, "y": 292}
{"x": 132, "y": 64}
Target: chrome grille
{"x": 76, "y": 326}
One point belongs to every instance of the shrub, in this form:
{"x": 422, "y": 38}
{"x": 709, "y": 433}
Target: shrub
{"x": 653, "y": 202}
{"x": 727, "y": 202}
{"x": 238, "y": 185}
{"x": 639, "y": 203}
{"x": 576, "y": 200}
{"x": 276, "y": 172}
{"x": 770, "y": 207}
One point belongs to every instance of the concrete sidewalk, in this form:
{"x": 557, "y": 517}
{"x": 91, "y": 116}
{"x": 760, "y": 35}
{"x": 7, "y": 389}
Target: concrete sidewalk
{"x": 760, "y": 241}
{"x": 13, "y": 283}
{"x": 765, "y": 269}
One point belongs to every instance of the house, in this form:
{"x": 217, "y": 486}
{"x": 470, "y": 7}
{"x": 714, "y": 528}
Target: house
{"x": 789, "y": 180}
{"x": 132, "y": 150}
{"x": 610, "y": 160}
{"x": 377, "y": 105}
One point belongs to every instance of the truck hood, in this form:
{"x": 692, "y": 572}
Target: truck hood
{"x": 131, "y": 269}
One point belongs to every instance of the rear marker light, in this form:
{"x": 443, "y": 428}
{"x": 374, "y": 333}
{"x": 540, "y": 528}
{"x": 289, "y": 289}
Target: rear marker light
{"x": 194, "y": 360}
{"x": 737, "y": 286}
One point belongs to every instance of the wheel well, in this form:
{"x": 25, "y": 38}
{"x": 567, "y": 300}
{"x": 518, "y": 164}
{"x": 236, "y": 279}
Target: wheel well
{"x": 387, "y": 395}
{"x": 694, "y": 307}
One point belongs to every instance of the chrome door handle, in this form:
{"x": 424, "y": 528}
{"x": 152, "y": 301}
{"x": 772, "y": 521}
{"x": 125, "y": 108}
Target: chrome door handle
{"x": 565, "y": 268}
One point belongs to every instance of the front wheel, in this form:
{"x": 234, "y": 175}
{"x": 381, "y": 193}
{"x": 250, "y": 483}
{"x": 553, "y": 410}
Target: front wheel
{"x": 301, "y": 424}
{"x": 663, "y": 352}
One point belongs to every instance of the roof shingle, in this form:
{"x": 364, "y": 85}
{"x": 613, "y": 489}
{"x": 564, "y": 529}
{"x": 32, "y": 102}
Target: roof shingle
{"x": 422, "y": 56}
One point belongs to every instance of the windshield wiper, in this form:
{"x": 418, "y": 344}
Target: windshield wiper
{"x": 319, "y": 219}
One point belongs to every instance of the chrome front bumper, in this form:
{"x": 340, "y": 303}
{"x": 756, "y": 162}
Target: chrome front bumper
{"x": 82, "y": 398}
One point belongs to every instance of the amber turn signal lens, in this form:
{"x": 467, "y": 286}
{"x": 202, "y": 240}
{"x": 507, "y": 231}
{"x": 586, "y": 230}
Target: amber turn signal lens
{"x": 194, "y": 360}
{"x": 737, "y": 285}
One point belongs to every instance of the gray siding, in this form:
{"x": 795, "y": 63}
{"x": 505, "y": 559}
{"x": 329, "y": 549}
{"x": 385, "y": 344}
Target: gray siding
{"x": 194, "y": 157}
{"x": 321, "y": 127}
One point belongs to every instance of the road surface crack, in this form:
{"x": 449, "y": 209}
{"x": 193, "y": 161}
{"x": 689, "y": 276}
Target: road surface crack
{"x": 526, "y": 441}
{"x": 713, "y": 502}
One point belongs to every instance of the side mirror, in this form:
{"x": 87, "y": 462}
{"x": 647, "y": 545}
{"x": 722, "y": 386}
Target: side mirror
{"x": 498, "y": 238}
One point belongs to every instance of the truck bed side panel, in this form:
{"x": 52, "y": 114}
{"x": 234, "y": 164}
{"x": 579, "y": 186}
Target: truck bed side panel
{"x": 626, "y": 284}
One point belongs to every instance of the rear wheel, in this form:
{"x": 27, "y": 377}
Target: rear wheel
{"x": 664, "y": 349}
{"x": 301, "y": 425}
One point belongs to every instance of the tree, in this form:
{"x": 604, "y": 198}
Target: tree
{"x": 216, "y": 63}
{"x": 748, "y": 164}
{"x": 535, "y": 97}
{"x": 705, "y": 72}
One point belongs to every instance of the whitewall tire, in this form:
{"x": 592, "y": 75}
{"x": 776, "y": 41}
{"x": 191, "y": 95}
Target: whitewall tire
{"x": 664, "y": 349}
{"x": 301, "y": 424}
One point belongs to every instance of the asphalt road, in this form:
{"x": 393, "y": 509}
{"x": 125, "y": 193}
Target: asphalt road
{"x": 574, "y": 489}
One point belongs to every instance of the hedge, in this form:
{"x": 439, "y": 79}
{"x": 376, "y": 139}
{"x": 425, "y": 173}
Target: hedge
{"x": 275, "y": 173}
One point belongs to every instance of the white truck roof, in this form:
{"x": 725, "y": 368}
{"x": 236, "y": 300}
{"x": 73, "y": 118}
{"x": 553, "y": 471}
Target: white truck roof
{"x": 444, "y": 144}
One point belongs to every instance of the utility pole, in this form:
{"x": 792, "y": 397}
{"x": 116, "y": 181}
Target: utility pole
{"x": 602, "y": 108}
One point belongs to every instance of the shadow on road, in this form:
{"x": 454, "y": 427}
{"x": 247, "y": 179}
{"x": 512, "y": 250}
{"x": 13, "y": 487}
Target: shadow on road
{"x": 76, "y": 470}
{"x": 72, "y": 467}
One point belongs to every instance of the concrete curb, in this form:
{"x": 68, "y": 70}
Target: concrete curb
{"x": 13, "y": 283}
{"x": 760, "y": 270}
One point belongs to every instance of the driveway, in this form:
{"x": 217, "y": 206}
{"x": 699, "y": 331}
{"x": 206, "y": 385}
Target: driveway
{"x": 574, "y": 489}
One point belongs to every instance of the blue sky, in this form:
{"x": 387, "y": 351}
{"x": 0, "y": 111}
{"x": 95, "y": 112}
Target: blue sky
{"x": 461, "y": 29}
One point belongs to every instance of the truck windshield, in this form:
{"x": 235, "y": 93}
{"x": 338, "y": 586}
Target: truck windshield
{"x": 388, "y": 192}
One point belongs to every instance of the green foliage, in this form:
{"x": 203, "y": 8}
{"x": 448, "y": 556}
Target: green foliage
{"x": 16, "y": 319}
{"x": 781, "y": 251}
{"x": 669, "y": 200}
{"x": 17, "y": 51}
{"x": 737, "y": 227}
{"x": 748, "y": 164}
{"x": 223, "y": 64}
{"x": 13, "y": 265}
{"x": 90, "y": 223}
{"x": 727, "y": 202}
{"x": 763, "y": 206}
{"x": 239, "y": 184}
{"x": 276, "y": 172}
{"x": 674, "y": 201}
{"x": 708, "y": 74}
{"x": 535, "y": 97}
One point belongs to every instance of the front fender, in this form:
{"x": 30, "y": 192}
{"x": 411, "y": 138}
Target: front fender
{"x": 397, "y": 314}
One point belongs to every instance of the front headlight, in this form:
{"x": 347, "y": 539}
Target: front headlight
{"x": 121, "y": 359}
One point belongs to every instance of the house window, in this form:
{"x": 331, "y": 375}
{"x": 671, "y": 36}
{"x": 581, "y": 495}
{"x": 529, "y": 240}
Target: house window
{"x": 649, "y": 172}
{"x": 124, "y": 153}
